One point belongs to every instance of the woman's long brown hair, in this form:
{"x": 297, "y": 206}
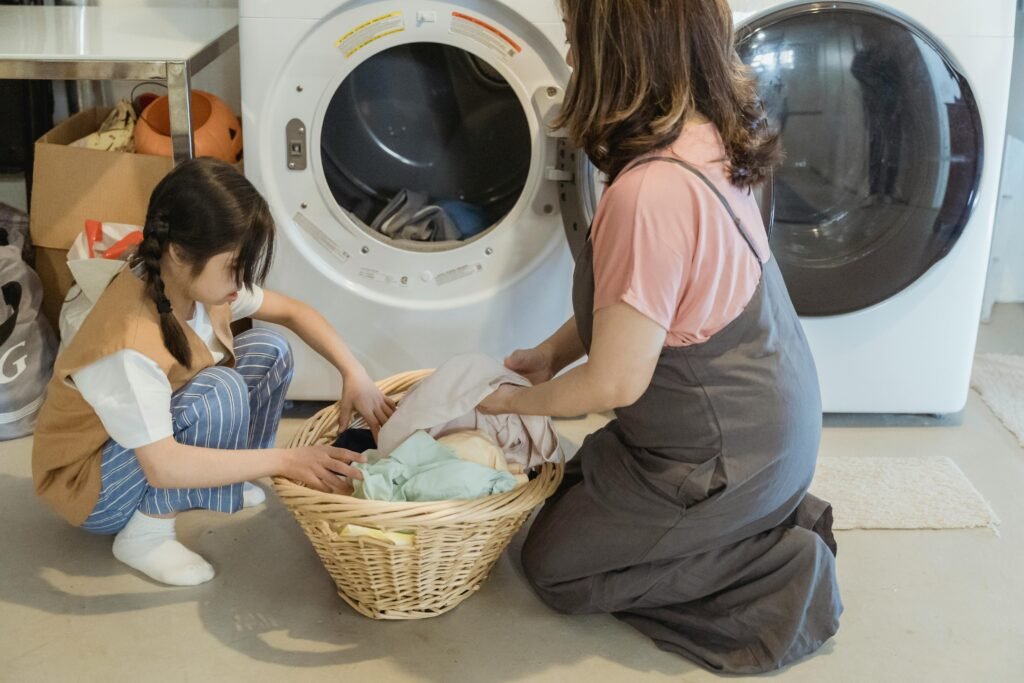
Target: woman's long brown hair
{"x": 643, "y": 66}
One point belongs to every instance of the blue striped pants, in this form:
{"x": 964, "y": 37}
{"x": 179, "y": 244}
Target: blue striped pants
{"x": 220, "y": 408}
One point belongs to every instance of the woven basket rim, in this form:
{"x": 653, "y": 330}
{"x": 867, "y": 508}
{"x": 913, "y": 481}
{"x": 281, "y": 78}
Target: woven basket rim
{"x": 411, "y": 506}
{"x": 396, "y": 386}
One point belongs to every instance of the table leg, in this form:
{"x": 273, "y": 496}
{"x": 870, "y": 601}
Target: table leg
{"x": 179, "y": 93}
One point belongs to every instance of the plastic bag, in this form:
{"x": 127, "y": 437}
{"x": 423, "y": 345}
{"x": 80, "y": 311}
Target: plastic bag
{"x": 95, "y": 258}
{"x": 27, "y": 346}
{"x": 14, "y": 230}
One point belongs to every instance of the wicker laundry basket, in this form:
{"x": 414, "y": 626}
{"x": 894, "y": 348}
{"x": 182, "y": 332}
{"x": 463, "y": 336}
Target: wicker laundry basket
{"x": 456, "y": 542}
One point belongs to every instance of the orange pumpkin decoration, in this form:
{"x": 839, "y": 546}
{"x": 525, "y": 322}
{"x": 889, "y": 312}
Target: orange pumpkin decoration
{"x": 216, "y": 131}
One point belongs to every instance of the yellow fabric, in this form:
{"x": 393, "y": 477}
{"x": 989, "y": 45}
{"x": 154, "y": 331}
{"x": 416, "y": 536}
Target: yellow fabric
{"x": 479, "y": 447}
{"x": 402, "y": 538}
{"x": 116, "y": 133}
{"x": 476, "y": 446}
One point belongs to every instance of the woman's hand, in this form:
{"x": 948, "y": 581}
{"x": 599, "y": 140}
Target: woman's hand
{"x": 322, "y": 467}
{"x": 620, "y": 367}
{"x": 536, "y": 364}
{"x": 359, "y": 394}
{"x": 500, "y": 402}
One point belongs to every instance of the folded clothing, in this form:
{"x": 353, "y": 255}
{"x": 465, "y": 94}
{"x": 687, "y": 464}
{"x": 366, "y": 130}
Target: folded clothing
{"x": 408, "y": 216}
{"x": 420, "y": 469}
{"x": 446, "y": 402}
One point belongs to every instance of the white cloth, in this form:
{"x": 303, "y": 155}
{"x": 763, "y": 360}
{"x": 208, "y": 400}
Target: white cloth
{"x": 446, "y": 402}
{"x": 131, "y": 394}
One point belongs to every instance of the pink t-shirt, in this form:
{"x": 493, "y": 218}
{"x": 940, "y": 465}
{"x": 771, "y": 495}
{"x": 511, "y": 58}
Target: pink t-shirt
{"x": 665, "y": 245}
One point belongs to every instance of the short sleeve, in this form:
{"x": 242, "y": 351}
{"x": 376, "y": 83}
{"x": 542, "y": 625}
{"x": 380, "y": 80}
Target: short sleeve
{"x": 131, "y": 396}
{"x": 642, "y": 239}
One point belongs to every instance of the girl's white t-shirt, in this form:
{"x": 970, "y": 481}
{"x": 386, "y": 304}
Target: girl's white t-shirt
{"x": 131, "y": 394}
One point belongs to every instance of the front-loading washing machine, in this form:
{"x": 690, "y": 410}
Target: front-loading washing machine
{"x": 351, "y": 108}
{"x": 892, "y": 116}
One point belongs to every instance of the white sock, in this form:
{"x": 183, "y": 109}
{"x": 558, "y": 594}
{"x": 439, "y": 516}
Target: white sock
{"x": 252, "y": 495}
{"x": 148, "y": 544}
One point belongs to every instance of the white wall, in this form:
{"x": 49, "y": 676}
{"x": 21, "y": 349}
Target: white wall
{"x": 1006, "y": 275}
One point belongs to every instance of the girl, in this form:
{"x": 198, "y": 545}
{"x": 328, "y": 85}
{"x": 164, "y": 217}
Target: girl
{"x": 687, "y": 516}
{"x": 154, "y": 409}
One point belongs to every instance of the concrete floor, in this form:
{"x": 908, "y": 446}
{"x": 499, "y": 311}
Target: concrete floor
{"x": 920, "y": 606}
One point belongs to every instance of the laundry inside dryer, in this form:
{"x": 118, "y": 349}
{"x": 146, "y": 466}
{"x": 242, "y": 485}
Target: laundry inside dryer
{"x": 426, "y": 145}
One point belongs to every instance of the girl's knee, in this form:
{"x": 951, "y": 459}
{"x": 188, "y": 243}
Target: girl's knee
{"x": 264, "y": 342}
{"x": 225, "y": 405}
{"x": 222, "y": 382}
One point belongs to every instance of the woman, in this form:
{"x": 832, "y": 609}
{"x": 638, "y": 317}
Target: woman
{"x": 688, "y": 516}
{"x": 154, "y": 408}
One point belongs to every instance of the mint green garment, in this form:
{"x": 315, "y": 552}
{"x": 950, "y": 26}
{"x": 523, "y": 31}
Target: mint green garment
{"x": 421, "y": 469}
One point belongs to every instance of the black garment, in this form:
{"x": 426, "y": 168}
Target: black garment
{"x": 356, "y": 440}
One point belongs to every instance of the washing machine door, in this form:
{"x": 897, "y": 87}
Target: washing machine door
{"x": 430, "y": 118}
{"x": 883, "y": 144}
{"x": 420, "y": 170}
{"x": 408, "y": 155}
{"x": 443, "y": 121}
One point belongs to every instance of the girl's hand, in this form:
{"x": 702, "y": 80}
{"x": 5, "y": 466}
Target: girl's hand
{"x": 322, "y": 467}
{"x": 534, "y": 364}
{"x": 359, "y": 394}
{"x": 500, "y": 402}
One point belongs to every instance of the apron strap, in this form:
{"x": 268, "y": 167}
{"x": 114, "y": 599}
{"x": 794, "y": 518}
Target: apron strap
{"x": 707, "y": 181}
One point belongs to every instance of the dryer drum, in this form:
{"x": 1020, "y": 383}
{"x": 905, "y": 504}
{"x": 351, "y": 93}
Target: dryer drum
{"x": 428, "y": 118}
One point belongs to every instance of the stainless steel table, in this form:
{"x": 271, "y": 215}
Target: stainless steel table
{"x": 169, "y": 45}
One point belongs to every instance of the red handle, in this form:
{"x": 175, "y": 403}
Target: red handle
{"x": 132, "y": 239}
{"x": 93, "y": 234}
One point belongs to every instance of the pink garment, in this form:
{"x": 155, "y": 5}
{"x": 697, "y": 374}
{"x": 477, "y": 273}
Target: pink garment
{"x": 665, "y": 245}
{"x": 446, "y": 402}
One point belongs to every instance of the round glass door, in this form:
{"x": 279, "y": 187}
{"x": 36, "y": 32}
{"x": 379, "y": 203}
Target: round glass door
{"x": 883, "y": 144}
{"x": 426, "y": 145}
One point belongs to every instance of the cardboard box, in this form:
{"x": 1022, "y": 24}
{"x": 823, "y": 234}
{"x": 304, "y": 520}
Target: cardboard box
{"x": 71, "y": 185}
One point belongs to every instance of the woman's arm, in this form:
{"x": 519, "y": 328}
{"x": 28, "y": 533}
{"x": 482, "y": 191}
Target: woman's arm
{"x": 623, "y": 355}
{"x": 359, "y": 393}
{"x": 547, "y": 359}
{"x": 564, "y": 346}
